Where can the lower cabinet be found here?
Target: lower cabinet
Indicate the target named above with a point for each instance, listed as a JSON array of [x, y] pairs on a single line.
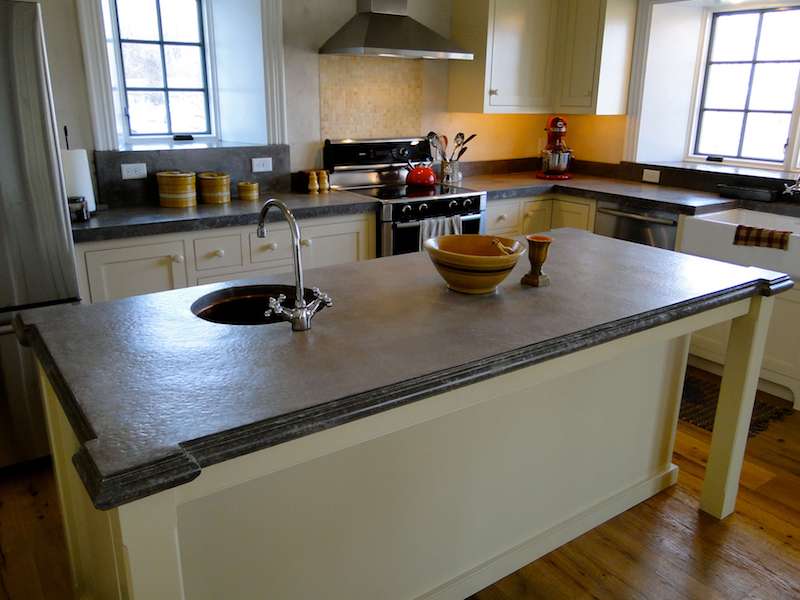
[[532, 215], [119, 268], [119, 272]]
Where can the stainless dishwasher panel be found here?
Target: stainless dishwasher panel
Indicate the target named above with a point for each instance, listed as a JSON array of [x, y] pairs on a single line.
[[649, 227]]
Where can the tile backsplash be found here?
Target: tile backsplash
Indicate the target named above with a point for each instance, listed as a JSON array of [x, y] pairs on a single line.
[[115, 192], [369, 97]]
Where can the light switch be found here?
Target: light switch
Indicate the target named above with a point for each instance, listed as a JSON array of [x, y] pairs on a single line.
[[262, 164], [134, 171], [651, 175]]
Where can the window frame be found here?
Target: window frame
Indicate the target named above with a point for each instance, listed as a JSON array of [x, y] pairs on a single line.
[[791, 161], [209, 80]]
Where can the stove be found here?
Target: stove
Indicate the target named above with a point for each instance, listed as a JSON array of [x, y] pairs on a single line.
[[378, 169]]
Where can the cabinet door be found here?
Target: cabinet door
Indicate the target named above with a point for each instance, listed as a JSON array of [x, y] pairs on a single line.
[[334, 244], [122, 272], [581, 21], [502, 217], [521, 48], [570, 214], [537, 216]]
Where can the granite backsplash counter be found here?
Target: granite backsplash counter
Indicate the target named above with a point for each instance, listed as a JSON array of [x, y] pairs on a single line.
[[140, 220], [136, 221]]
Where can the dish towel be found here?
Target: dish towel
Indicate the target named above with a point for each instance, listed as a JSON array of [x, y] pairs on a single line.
[[436, 226], [765, 238]]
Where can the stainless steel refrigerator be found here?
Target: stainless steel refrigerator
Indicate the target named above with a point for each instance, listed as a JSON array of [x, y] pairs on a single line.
[[37, 265]]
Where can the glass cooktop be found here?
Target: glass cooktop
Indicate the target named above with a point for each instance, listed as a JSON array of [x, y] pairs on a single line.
[[412, 192]]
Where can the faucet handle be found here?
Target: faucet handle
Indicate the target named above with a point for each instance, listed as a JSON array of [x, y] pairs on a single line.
[[275, 306], [322, 297]]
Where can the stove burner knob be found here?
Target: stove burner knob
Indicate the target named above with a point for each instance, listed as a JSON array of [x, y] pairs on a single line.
[[453, 204], [406, 209], [423, 207], [467, 203]]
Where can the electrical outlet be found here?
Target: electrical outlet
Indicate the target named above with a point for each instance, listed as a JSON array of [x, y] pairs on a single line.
[[651, 176], [262, 165], [134, 171]]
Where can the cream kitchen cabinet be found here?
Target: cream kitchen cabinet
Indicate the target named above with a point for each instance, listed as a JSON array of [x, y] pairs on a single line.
[[131, 266], [119, 272], [530, 215], [538, 56]]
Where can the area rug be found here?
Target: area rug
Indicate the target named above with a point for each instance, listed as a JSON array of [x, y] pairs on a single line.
[[699, 404]]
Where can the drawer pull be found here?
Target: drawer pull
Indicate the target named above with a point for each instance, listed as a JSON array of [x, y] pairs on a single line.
[[219, 253], [502, 218], [306, 243], [177, 258], [530, 214], [270, 247]]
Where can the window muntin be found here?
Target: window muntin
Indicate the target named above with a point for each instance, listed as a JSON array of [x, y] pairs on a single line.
[[163, 55], [750, 85]]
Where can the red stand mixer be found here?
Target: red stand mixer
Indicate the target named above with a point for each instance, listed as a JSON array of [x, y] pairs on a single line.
[[556, 155]]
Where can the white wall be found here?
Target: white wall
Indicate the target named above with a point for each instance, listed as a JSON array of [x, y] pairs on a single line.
[[66, 72], [240, 70], [671, 63]]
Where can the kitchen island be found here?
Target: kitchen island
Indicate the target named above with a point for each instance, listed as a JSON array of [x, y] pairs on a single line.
[[414, 443]]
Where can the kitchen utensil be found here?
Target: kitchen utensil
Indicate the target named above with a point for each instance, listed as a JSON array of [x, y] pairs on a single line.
[[538, 246], [502, 247], [421, 175], [473, 264], [215, 188], [459, 139], [461, 152], [443, 146], [433, 141], [176, 189]]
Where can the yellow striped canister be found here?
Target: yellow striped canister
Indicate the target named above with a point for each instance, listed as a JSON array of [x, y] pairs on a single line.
[[176, 189], [215, 188], [248, 190]]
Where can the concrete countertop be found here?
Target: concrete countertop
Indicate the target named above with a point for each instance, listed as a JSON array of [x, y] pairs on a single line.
[[630, 193], [158, 393], [137, 221], [152, 220]]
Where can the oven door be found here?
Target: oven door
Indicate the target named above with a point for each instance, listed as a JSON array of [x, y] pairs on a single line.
[[403, 237]]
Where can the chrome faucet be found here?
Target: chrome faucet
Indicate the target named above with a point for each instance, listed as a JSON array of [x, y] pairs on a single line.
[[301, 314]]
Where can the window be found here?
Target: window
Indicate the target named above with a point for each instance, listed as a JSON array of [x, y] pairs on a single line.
[[163, 67], [750, 85]]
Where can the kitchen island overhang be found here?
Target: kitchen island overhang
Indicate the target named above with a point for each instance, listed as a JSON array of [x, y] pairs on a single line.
[[632, 345]]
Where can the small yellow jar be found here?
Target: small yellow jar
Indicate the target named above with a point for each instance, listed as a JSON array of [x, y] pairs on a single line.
[[247, 190], [215, 188]]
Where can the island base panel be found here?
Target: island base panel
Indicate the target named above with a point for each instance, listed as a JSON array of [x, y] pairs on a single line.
[[437, 510]]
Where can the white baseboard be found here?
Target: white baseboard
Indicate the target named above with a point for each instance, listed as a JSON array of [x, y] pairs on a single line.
[[493, 570]]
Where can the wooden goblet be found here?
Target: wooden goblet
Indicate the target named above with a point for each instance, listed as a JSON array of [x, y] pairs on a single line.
[[538, 245]]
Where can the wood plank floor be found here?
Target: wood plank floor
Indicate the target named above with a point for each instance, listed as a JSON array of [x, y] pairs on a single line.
[[662, 548]]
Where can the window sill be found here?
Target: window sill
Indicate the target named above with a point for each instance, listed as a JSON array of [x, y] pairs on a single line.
[[173, 145], [724, 169]]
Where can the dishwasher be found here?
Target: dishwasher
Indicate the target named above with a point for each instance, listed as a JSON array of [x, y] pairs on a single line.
[[651, 227]]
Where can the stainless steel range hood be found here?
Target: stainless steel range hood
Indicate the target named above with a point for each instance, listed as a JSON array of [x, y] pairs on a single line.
[[383, 28]]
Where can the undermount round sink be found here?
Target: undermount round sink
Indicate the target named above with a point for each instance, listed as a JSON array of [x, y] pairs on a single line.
[[245, 305]]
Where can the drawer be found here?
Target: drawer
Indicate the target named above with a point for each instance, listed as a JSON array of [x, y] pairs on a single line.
[[273, 270], [503, 216], [218, 252], [276, 246]]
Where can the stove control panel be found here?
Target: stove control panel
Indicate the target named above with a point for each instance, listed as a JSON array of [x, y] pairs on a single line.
[[438, 207]]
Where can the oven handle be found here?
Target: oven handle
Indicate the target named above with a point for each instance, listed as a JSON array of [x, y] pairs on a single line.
[[636, 217], [407, 224]]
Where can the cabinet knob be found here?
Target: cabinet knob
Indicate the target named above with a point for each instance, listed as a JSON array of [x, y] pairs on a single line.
[[177, 258], [219, 253], [494, 92], [270, 246], [530, 213], [306, 243], [502, 218]]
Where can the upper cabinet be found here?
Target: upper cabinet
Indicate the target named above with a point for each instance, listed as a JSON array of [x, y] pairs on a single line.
[[541, 56]]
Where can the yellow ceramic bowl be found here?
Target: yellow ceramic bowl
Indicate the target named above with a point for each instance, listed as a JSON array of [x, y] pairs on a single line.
[[473, 264]]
